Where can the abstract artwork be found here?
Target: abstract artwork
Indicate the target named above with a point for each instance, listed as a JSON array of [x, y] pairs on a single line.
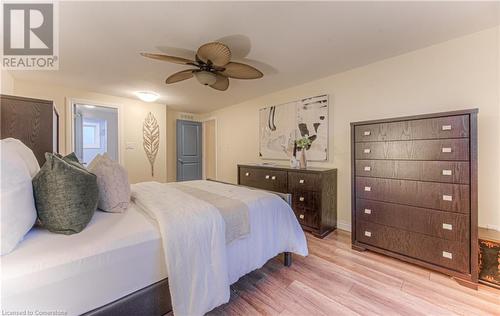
[[151, 139], [281, 125]]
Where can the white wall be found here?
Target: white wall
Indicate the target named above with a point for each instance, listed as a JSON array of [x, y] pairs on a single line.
[[458, 74], [134, 112]]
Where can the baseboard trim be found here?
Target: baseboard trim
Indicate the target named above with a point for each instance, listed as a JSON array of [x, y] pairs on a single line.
[[491, 226], [342, 225]]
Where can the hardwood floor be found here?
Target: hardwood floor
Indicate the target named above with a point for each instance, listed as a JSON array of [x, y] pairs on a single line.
[[336, 280]]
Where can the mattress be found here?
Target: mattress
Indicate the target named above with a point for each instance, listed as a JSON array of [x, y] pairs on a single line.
[[114, 256]]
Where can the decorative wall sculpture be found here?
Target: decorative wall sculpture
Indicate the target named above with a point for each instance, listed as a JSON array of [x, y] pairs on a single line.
[[151, 139], [281, 125]]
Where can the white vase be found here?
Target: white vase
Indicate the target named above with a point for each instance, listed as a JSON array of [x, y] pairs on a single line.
[[303, 159]]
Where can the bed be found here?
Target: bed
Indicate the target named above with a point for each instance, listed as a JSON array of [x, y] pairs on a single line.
[[119, 264], [117, 261]]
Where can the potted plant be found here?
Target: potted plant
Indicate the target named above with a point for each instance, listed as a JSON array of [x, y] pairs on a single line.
[[303, 144]]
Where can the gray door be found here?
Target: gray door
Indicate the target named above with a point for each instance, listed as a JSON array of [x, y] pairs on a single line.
[[189, 159]]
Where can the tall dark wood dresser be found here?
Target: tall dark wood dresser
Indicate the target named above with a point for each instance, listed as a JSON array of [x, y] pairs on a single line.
[[313, 190], [414, 191], [32, 121]]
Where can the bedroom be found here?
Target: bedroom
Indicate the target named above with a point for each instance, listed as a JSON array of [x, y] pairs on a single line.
[[409, 101]]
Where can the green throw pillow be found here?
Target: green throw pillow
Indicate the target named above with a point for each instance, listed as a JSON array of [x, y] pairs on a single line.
[[66, 194]]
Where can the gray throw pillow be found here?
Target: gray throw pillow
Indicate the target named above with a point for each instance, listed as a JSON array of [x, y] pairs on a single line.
[[66, 194], [112, 180]]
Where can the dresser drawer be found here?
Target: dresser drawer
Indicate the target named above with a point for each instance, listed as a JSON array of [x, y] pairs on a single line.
[[446, 225], [306, 199], [438, 171], [441, 196], [433, 128], [303, 181], [442, 149], [446, 253], [308, 217], [267, 179], [250, 177]]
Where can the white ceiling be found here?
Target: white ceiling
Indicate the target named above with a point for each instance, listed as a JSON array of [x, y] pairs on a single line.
[[293, 42]]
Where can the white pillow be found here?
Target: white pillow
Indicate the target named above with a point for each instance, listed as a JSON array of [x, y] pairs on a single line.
[[112, 180], [18, 212], [25, 154]]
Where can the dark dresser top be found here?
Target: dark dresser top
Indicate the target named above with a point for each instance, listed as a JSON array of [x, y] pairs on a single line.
[[286, 168]]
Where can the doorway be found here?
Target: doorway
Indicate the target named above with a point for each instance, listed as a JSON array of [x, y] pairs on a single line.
[[95, 131]]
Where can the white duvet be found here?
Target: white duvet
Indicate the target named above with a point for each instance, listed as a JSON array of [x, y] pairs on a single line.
[[200, 265]]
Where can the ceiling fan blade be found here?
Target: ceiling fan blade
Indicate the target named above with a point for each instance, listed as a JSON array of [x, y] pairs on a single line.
[[217, 53], [241, 71], [221, 84], [179, 76], [171, 59]]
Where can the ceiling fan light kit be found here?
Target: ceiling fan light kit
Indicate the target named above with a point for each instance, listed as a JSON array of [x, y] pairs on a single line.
[[213, 67], [206, 78]]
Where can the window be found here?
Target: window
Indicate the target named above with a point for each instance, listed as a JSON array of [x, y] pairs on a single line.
[[91, 135]]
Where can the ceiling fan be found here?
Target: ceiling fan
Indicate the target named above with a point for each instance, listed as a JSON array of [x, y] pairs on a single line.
[[213, 67]]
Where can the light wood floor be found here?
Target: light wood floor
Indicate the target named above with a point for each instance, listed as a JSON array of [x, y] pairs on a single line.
[[336, 280]]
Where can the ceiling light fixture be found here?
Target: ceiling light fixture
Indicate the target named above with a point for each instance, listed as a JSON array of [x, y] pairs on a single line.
[[205, 77], [147, 96]]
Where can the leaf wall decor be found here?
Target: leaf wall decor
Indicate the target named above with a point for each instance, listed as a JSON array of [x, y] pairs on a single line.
[[151, 139]]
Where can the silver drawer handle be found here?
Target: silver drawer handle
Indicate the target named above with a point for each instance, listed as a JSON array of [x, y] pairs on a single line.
[[367, 133], [301, 216], [368, 189], [447, 226], [301, 199], [267, 177], [368, 234], [447, 172], [301, 181], [447, 197], [247, 174], [367, 150], [446, 128], [446, 149], [368, 168], [273, 178], [368, 211], [447, 254]]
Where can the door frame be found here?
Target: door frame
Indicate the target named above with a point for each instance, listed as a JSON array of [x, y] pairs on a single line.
[[211, 118], [70, 142]]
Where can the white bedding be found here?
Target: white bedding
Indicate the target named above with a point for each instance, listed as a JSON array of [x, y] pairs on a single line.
[[199, 265], [116, 254]]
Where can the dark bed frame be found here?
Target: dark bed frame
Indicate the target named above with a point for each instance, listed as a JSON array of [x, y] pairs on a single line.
[[18, 113]]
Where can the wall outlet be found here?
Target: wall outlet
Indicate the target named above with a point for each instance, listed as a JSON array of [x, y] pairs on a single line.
[[131, 145]]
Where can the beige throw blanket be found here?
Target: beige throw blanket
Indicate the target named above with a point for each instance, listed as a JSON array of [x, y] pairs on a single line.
[[234, 212]]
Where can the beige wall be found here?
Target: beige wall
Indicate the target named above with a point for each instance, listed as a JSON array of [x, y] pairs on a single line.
[[172, 116], [133, 113], [209, 150], [6, 83], [458, 74]]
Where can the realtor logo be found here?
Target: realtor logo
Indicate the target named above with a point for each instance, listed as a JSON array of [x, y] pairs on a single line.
[[29, 36]]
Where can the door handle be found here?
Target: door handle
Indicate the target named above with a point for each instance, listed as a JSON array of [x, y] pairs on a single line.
[[180, 160]]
